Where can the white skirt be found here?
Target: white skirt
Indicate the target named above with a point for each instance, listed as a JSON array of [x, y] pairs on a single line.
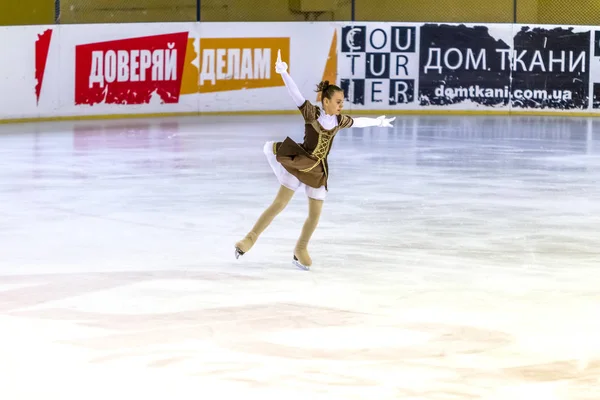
[[288, 180]]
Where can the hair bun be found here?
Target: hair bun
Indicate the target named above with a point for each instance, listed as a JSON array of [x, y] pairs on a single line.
[[323, 86], [327, 89]]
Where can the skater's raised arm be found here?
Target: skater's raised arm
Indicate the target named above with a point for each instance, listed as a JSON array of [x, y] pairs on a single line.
[[364, 122], [293, 89], [281, 69]]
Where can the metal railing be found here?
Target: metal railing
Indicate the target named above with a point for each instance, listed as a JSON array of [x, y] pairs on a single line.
[[33, 12]]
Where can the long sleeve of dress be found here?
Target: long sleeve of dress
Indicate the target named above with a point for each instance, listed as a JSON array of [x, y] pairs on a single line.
[[364, 122], [293, 89]]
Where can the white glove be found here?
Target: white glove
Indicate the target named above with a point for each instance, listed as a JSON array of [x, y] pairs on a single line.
[[385, 122], [280, 66]]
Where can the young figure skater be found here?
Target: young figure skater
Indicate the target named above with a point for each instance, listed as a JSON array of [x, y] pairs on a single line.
[[304, 165]]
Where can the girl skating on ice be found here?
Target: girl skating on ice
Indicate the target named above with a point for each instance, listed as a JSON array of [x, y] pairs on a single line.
[[304, 165]]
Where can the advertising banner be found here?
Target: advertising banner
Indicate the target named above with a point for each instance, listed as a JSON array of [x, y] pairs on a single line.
[[497, 67], [176, 68], [551, 68], [188, 68], [378, 65], [464, 66], [595, 70]]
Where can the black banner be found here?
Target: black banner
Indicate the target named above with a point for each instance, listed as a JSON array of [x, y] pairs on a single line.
[[594, 69], [551, 68], [459, 63], [461, 66]]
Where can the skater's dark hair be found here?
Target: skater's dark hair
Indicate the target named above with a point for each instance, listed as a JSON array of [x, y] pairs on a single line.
[[327, 90]]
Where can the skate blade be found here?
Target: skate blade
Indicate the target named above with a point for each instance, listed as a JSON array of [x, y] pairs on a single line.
[[299, 265], [238, 253]]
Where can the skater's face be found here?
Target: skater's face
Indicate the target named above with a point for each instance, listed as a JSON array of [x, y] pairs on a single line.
[[335, 104]]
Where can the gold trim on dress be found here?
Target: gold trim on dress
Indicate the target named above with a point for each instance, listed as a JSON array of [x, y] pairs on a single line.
[[321, 150]]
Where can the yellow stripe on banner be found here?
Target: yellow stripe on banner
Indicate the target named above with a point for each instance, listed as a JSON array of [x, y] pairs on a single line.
[[293, 112]]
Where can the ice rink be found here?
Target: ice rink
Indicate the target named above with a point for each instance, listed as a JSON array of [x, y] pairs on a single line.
[[456, 258]]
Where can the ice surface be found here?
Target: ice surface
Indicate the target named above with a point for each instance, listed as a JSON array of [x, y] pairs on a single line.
[[456, 258]]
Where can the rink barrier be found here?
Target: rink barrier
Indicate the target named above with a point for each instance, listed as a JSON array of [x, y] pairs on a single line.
[[294, 112], [186, 69]]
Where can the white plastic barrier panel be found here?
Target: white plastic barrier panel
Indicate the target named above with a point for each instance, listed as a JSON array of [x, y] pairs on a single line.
[[22, 70], [82, 70], [130, 69]]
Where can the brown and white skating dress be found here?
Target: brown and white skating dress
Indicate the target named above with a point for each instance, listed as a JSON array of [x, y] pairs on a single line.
[[305, 164]]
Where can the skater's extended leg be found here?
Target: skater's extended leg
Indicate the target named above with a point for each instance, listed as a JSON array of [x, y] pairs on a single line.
[[314, 213], [284, 195]]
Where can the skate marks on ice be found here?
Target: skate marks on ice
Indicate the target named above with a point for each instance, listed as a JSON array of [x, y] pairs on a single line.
[[19, 292], [117, 319]]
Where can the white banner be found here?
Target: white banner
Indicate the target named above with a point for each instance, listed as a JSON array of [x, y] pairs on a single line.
[[188, 68]]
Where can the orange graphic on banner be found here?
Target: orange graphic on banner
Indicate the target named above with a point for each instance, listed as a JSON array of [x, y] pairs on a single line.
[[228, 64], [189, 80], [330, 72]]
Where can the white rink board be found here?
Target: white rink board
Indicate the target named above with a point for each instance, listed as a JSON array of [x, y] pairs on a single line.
[[58, 96], [96, 70]]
